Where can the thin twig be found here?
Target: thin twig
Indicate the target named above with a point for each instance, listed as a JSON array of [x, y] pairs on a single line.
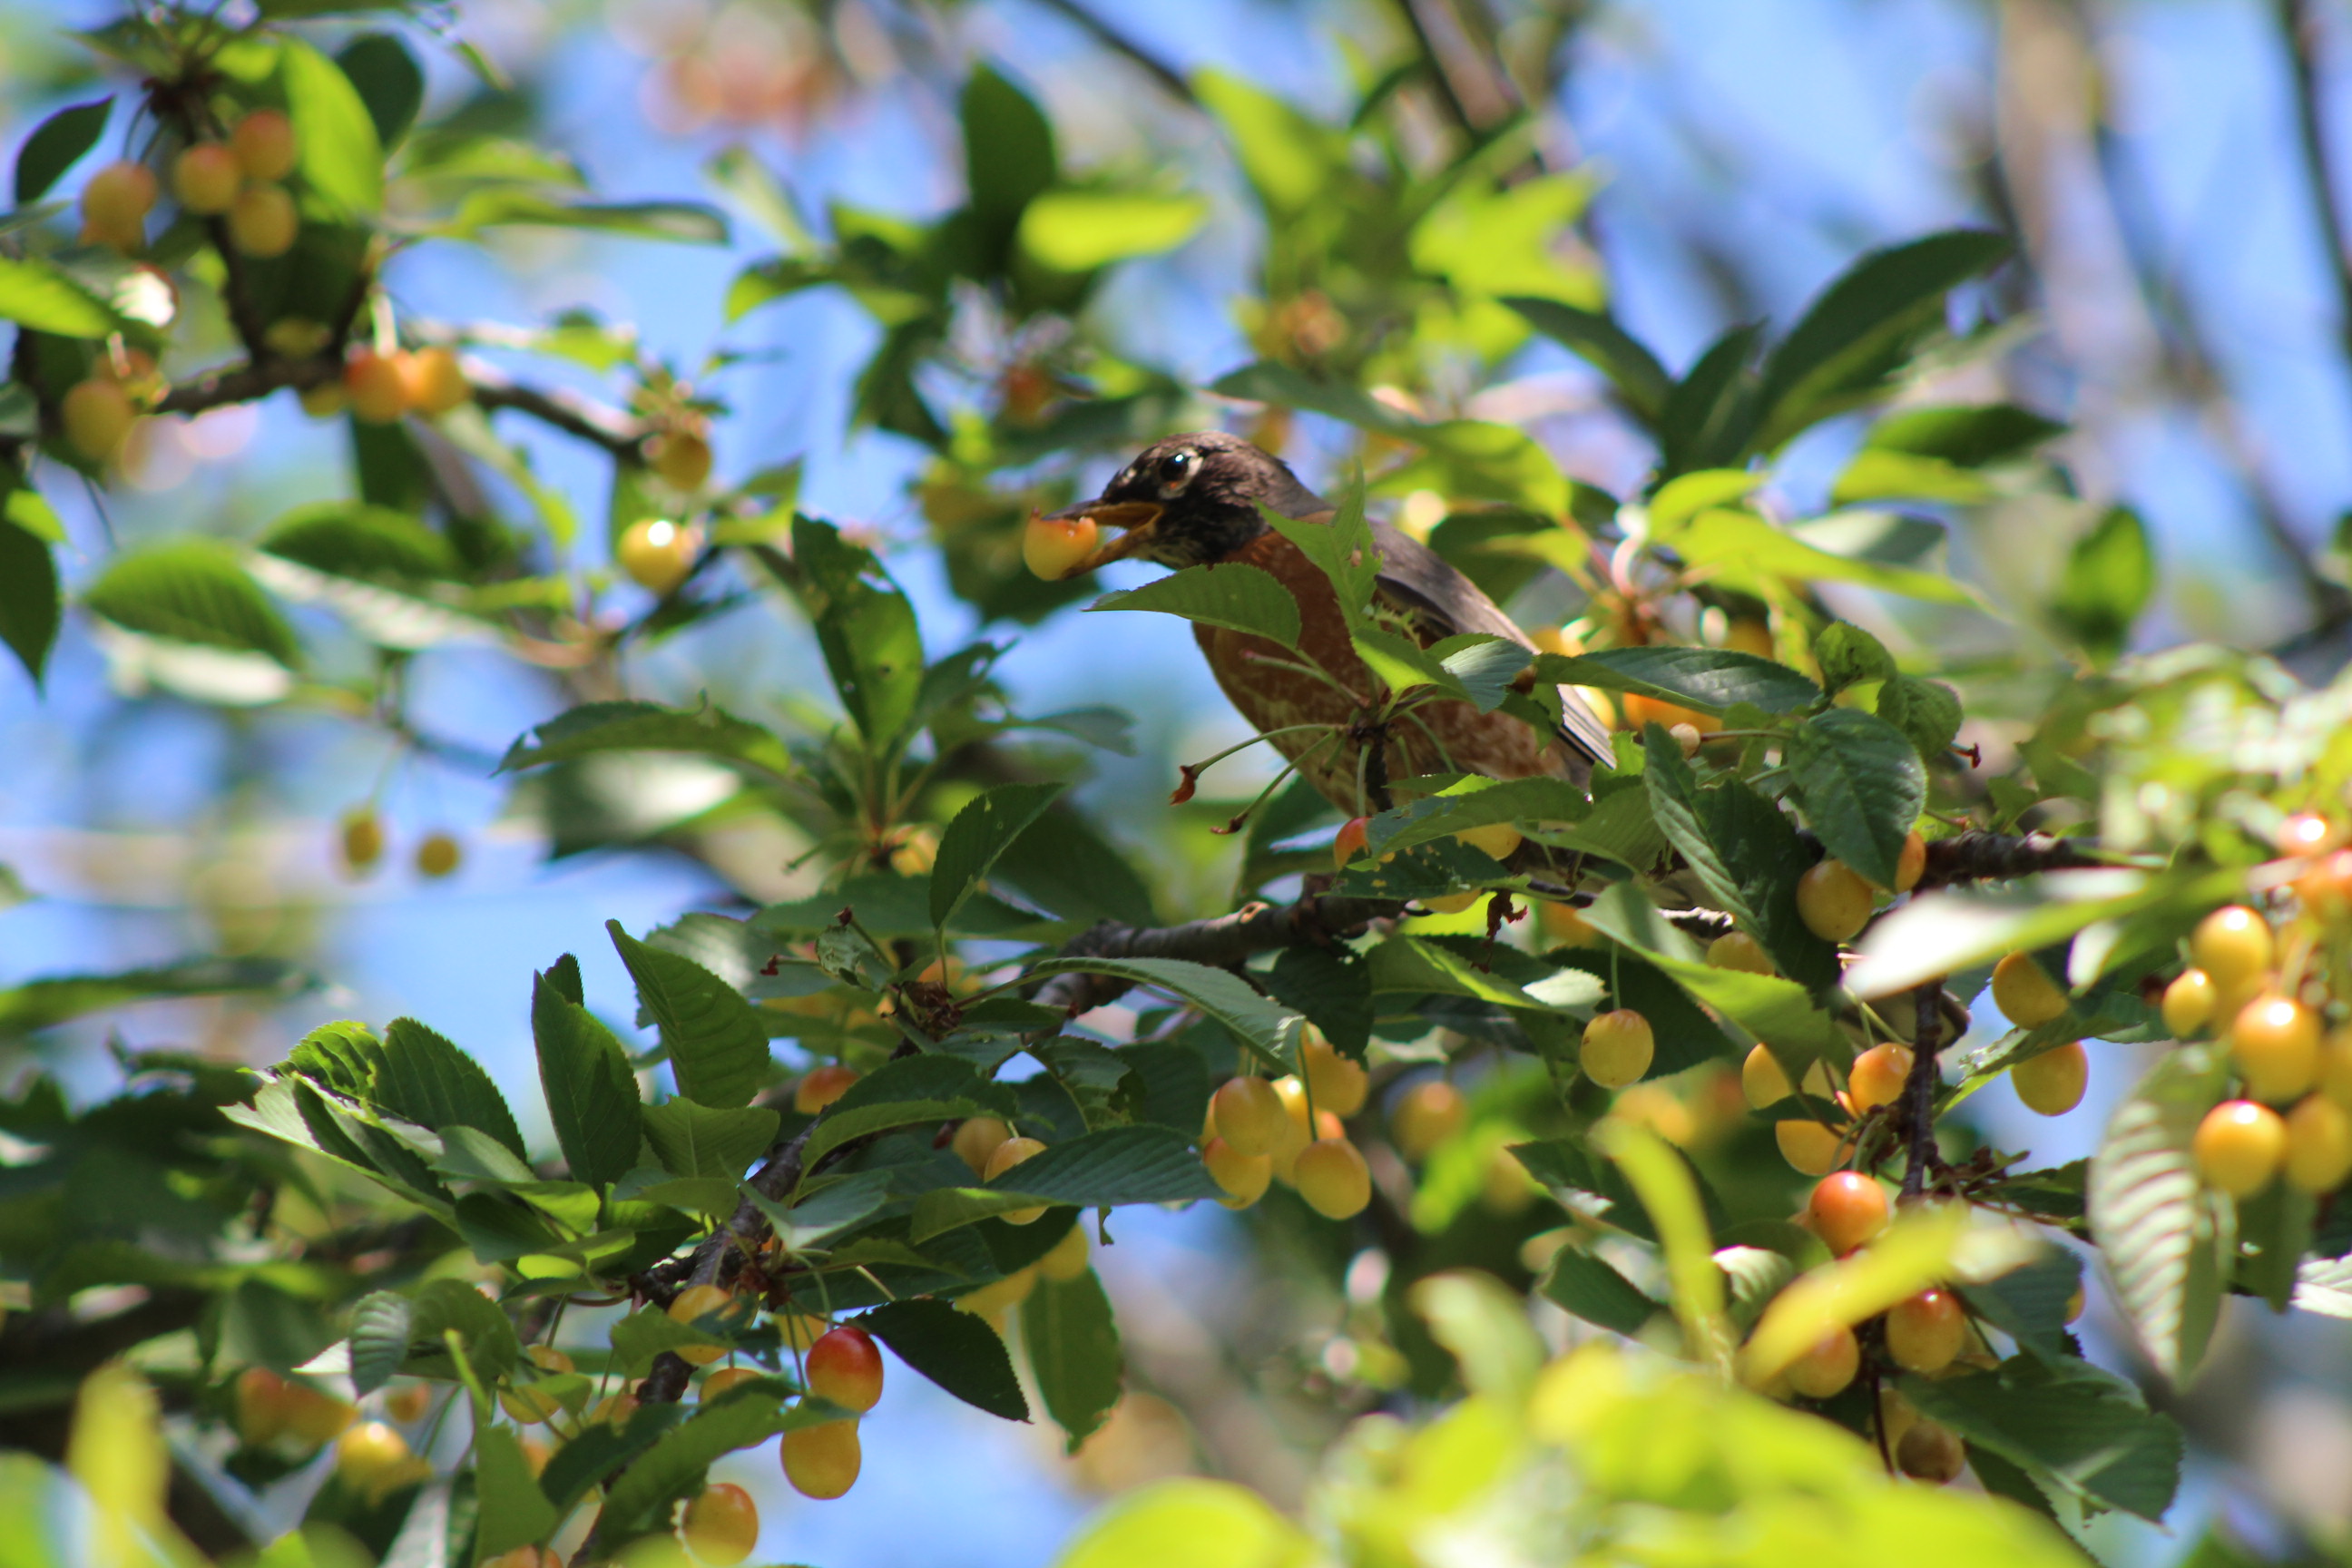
[[2298, 26], [622, 435], [1169, 79], [1220, 942]]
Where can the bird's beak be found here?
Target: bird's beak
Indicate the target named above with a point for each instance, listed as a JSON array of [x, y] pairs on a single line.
[[1139, 518]]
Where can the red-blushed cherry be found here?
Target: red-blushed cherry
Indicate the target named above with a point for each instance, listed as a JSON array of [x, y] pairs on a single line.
[[845, 1367], [1846, 1209]]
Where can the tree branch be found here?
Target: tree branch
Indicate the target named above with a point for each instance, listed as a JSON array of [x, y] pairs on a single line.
[[1220, 942], [1919, 1087], [2298, 26], [1974, 856], [1169, 79]]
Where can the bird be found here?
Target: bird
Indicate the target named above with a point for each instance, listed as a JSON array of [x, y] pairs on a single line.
[[1193, 500]]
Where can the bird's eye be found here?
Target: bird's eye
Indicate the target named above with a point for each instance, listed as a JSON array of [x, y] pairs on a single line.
[[1176, 468]]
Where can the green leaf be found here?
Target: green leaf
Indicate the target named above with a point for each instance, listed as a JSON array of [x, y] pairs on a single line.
[[601, 1449], [1074, 1352], [2083, 1426], [192, 591], [1061, 864], [980, 832], [1291, 160], [1591, 1289], [1778, 1012], [380, 1334], [1876, 474], [425, 1079], [37, 1004], [1474, 802], [2109, 579], [953, 1349], [865, 627], [1595, 337], [891, 906], [592, 1095], [340, 159], [30, 603], [1741, 550], [37, 295], [641, 1497], [595, 728], [1711, 412], [1671, 1193], [1266, 1029], [717, 1045], [373, 543], [1968, 435], [1105, 1168], [513, 1511], [693, 1140], [1419, 964], [1008, 149], [1926, 711], [673, 222], [1188, 1523], [1078, 231], [1710, 679], [2275, 1230], [57, 144], [386, 77], [1848, 655], [2030, 1303], [2168, 1240], [1864, 328], [1239, 598], [488, 1338], [1862, 785]]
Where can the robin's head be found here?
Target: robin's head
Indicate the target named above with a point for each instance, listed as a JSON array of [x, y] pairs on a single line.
[[1192, 499]]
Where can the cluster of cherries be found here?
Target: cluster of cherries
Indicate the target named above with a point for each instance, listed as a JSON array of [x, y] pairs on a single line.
[[1290, 1128], [360, 842], [2254, 985]]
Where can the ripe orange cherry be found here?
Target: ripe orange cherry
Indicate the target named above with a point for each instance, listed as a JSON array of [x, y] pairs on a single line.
[[657, 554], [845, 1367], [1351, 841], [1052, 546], [1833, 900], [409, 1402], [681, 458], [2307, 833], [1924, 1334], [976, 1138], [1931, 1451], [370, 1453], [2318, 1144], [2326, 889], [718, 1383], [2052, 1084], [1762, 1079], [1431, 1113], [1822, 1371], [437, 382], [264, 144], [1495, 840], [1339, 1083], [205, 177], [262, 221], [1244, 1177], [1910, 862], [821, 1087], [722, 1525], [115, 204], [1072, 1256], [261, 1405], [2190, 1002], [693, 1304], [1878, 1075], [2240, 1146], [437, 856], [1738, 950], [1332, 1177], [821, 1461], [1249, 1115], [1847, 1208], [373, 384], [2233, 945], [98, 415], [1618, 1049], [1809, 1146], [2274, 1043], [1009, 1153], [2025, 993]]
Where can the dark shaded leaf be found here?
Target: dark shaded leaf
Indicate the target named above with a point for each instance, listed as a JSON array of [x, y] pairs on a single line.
[[598, 727], [955, 1349], [592, 1095], [1707, 679], [37, 1004], [386, 77], [57, 144], [1596, 337], [2085, 1427], [980, 832], [1074, 1352], [717, 1045], [2109, 579], [865, 627], [1237, 597], [693, 1140], [194, 591], [1862, 785], [1591, 1289], [31, 605]]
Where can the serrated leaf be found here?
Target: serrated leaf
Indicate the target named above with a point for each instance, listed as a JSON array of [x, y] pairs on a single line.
[[1926, 711], [425, 1079], [1777, 1011], [1105, 1168], [1588, 1287], [2083, 1426], [717, 1045], [641, 1496], [513, 1510], [592, 1095], [865, 627], [1074, 1352], [599, 727], [953, 1349], [1862, 785], [2169, 1239], [2030, 1303], [601, 1448], [192, 591], [57, 144], [1710, 680], [439, 1306], [693, 1140], [380, 1335], [980, 832], [1237, 596], [1266, 1027], [1333, 989]]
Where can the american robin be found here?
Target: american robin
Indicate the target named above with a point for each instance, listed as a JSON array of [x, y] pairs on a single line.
[[1193, 500]]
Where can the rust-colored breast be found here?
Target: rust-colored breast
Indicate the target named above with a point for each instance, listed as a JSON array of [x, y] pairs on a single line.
[[1266, 683]]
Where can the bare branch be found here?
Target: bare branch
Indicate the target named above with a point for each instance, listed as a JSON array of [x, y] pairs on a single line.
[[1220, 942], [622, 435], [1169, 79]]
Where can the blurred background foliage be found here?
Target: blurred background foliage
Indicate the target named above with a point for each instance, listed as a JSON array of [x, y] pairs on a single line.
[[920, 269]]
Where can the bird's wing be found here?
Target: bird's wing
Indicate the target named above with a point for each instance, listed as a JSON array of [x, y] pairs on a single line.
[[1441, 602]]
